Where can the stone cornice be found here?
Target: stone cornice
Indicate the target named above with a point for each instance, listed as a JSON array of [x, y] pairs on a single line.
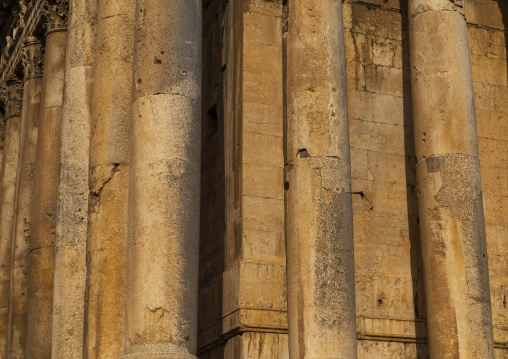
[[21, 31]]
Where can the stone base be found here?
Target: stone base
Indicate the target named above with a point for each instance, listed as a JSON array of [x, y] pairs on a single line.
[[159, 355], [158, 351]]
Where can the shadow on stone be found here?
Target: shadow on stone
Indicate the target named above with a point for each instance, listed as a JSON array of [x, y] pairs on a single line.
[[411, 195]]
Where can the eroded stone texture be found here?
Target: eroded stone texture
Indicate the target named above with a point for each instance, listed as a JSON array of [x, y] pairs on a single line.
[[319, 216], [109, 175], [254, 345], [72, 216], [242, 274], [163, 225], [452, 223], [8, 177], [2, 138], [47, 169], [16, 337]]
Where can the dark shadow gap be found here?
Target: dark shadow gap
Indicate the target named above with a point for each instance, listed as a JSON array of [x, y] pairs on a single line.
[[411, 194], [213, 187]]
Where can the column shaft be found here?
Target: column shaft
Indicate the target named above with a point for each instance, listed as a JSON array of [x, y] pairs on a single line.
[[47, 166], [8, 177], [109, 170], [453, 241], [72, 209], [2, 141], [164, 185], [32, 61], [319, 217]]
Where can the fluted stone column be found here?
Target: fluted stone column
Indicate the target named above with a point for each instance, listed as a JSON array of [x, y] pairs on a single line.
[[319, 217], [452, 227], [47, 167], [8, 175], [32, 57], [164, 185], [109, 170], [72, 209]]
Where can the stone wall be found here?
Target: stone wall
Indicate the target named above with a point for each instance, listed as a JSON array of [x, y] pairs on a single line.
[[389, 280], [488, 21]]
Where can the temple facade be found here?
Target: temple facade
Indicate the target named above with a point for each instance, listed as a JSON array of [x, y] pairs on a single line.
[[253, 179]]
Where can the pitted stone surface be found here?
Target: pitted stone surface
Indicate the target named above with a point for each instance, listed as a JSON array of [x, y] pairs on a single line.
[[407, 138]]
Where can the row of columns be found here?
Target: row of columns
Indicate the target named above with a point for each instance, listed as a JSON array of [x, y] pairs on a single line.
[[18, 299], [100, 147], [319, 234], [47, 166]]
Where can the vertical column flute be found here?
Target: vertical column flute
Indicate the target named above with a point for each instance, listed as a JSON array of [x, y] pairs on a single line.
[[47, 167]]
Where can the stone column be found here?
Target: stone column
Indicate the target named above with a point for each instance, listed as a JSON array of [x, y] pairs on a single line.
[[2, 139], [164, 185], [47, 166], [72, 208], [32, 58], [452, 227], [319, 217], [13, 101], [109, 171]]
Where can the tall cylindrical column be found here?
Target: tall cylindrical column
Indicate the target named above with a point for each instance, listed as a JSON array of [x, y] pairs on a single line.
[[72, 208], [452, 227], [109, 171], [47, 167], [164, 185], [319, 216], [13, 101], [2, 140], [32, 63]]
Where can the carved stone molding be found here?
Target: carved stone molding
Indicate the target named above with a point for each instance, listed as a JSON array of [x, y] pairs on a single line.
[[24, 5], [12, 54], [14, 98], [57, 13], [32, 58]]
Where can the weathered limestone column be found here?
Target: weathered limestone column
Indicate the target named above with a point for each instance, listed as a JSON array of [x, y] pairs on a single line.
[[319, 217], [452, 227], [47, 167], [8, 175], [164, 186], [109, 170], [2, 140], [32, 57], [72, 209]]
